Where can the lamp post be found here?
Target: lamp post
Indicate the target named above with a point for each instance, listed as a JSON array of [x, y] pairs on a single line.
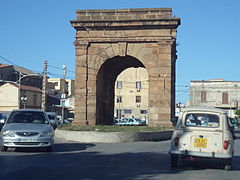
[[63, 96], [19, 81]]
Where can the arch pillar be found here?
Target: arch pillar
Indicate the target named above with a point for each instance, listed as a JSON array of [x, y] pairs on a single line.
[[81, 82]]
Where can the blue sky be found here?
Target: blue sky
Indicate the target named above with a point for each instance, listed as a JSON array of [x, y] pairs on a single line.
[[32, 31]]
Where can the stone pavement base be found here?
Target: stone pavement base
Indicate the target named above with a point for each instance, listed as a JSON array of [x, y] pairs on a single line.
[[112, 137]]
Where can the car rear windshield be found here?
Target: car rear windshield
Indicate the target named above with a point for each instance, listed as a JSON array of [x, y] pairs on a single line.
[[51, 116], [27, 117], [1, 116], [202, 120]]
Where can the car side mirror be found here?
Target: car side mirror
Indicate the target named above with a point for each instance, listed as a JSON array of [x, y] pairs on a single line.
[[174, 121], [3, 121]]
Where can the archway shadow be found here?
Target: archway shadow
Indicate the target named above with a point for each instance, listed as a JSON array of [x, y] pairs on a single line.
[[71, 161]]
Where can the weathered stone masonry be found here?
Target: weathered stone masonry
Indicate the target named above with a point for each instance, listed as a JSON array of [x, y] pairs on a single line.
[[108, 42]]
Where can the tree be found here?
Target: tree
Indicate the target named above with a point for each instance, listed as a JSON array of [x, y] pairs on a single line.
[[237, 112]]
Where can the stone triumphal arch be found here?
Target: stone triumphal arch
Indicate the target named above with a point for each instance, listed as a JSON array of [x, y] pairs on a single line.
[[110, 41]]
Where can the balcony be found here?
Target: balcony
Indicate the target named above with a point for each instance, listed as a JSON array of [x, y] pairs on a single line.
[[233, 104]]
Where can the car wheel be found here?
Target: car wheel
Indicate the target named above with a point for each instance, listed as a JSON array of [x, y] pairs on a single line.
[[173, 160], [3, 148], [228, 165], [49, 149]]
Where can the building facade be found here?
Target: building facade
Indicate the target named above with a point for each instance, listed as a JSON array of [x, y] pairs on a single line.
[[216, 93], [16, 74], [56, 87], [30, 83], [131, 94], [13, 98]]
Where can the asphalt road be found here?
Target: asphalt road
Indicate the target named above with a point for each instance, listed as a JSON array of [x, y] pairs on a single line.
[[121, 161]]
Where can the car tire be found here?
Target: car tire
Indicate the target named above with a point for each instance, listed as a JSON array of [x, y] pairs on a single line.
[[173, 160], [3, 148], [228, 165]]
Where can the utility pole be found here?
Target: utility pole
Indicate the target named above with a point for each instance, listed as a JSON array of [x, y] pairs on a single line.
[[19, 89], [63, 96], [44, 84]]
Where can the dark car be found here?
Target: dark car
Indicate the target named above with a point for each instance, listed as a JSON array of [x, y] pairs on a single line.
[[2, 120]]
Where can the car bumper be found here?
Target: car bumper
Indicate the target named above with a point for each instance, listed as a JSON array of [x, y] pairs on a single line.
[[28, 142], [201, 154]]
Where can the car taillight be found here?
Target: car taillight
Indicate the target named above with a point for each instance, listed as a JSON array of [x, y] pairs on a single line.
[[225, 144], [176, 141]]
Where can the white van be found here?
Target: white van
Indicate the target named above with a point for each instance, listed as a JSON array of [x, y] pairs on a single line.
[[202, 132], [52, 116]]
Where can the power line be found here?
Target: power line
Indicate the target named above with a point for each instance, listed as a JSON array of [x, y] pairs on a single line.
[[9, 61], [12, 63], [60, 75], [60, 68]]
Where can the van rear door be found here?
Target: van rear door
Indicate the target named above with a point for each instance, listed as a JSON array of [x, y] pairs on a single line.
[[206, 141], [205, 132]]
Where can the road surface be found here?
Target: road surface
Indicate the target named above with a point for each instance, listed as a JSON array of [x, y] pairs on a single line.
[[98, 161]]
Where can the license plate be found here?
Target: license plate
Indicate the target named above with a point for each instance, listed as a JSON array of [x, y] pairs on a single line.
[[28, 140], [200, 143]]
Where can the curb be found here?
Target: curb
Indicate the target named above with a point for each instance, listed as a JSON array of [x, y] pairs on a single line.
[[112, 137]]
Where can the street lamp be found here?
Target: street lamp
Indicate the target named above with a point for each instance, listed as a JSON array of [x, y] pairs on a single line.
[[63, 96], [24, 101], [21, 76]]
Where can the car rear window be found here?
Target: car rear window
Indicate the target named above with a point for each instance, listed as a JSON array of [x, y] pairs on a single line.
[[51, 116], [1, 116], [27, 117], [202, 120]]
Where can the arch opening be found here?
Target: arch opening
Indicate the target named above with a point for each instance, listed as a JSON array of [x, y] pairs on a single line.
[[105, 84], [132, 96]]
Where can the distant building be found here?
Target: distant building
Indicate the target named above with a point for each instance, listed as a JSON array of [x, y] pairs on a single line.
[[216, 93], [13, 73], [55, 87], [30, 83], [11, 98], [131, 94]]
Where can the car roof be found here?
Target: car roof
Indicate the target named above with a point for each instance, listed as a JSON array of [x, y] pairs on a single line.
[[51, 113], [203, 108], [35, 110]]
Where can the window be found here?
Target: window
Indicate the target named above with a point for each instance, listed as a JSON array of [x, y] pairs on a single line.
[[1, 76], [202, 120], [127, 111], [138, 85], [119, 99], [34, 99], [138, 99], [203, 96], [119, 84], [224, 98], [143, 112], [119, 113], [27, 117]]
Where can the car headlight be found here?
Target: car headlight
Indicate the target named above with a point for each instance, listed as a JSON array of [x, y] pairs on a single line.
[[47, 133], [8, 133]]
